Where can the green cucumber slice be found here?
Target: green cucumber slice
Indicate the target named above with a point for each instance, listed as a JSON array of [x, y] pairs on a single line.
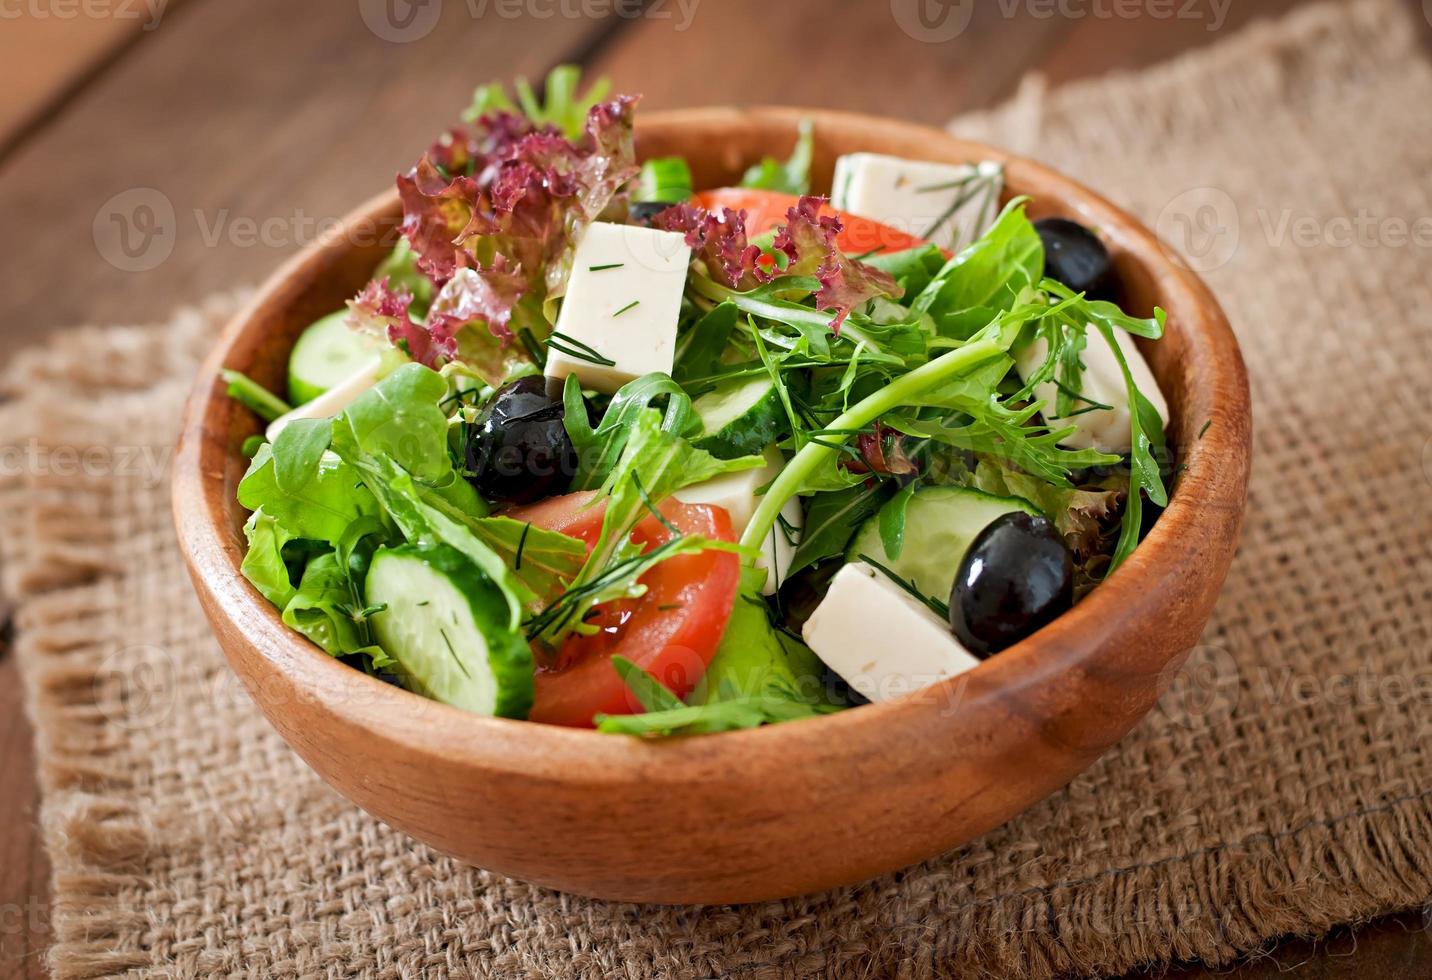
[[328, 352], [940, 525], [446, 624], [738, 418]]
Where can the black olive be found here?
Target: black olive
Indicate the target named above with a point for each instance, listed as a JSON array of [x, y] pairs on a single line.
[[518, 450], [1074, 255], [1016, 577], [642, 212]]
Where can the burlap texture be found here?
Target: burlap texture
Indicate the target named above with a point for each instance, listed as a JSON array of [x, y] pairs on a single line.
[[1282, 787]]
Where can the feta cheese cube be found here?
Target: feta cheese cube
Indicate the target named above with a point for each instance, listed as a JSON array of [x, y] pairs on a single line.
[[622, 302], [882, 641], [1102, 381], [950, 204], [737, 493]]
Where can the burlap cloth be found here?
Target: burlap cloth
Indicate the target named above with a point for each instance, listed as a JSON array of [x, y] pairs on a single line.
[[1282, 787]]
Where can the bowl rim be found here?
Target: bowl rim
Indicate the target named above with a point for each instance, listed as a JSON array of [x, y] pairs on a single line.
[[1212, 485]]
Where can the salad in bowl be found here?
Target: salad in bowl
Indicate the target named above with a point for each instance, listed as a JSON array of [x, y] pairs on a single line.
[[597, 448]]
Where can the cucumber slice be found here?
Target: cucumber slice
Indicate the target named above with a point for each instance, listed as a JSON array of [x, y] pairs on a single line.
[[940, 525], [327, 352], [446, 626], [738, 418]]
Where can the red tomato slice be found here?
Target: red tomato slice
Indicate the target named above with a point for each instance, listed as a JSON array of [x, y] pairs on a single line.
[[671, 632], [767, 209]]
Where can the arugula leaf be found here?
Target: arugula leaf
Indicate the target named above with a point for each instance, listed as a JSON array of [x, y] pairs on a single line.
[[1143, 468], [730, 714], [652, 694], [699, 350], [311, 492], [545, 561], [401, 417], [912, 268], [599, 449], [892, 521], [789, 177], [831, 521], [986, 277]]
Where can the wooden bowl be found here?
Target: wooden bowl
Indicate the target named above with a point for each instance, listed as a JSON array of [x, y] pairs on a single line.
[[771, 812]]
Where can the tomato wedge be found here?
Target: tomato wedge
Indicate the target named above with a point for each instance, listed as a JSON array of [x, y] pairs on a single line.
[[767, 209], [671, 632]]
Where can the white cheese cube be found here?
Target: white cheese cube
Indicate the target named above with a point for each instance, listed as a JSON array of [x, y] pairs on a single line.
[[882, 641], [780, 545], [622, 302], [335, 399], [1101, 380], [950, 204], [737, 493]]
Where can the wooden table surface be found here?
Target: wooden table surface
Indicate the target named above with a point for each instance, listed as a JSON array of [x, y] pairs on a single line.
[[245, 124]]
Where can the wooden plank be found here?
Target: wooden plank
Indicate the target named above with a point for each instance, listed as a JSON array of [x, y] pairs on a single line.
[[844, 54], [47, 49], [216, 147]]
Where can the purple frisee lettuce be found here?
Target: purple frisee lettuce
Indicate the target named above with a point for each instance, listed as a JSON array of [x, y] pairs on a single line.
[[807, 242], [494, 212]]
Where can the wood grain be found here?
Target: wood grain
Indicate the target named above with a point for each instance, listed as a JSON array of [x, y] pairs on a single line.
[[238, 127], [744, 814], [50, 49]]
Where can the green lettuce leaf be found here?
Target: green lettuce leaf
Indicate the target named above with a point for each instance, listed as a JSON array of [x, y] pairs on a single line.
[[987, 277], [263, 563], [307, 489]]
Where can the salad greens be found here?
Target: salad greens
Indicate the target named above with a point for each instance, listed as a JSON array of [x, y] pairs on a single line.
[[843, 387]]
